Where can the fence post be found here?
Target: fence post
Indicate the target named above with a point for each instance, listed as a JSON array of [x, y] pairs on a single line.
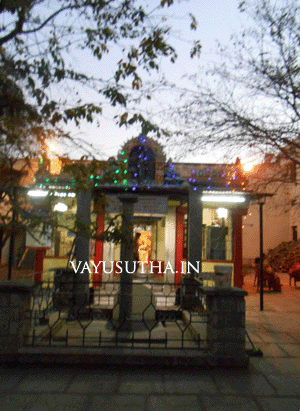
[[15, 304], [226, 325]]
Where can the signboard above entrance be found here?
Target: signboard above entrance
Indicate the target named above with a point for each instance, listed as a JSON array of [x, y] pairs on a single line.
[[146, 205]]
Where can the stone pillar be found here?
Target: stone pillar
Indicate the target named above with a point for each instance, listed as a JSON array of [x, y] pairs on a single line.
[[238, 247], [15, 305], [180, 211], [170, 244], [194, 229], [226, 326], [99, 247], [126, 255], [83, 216]]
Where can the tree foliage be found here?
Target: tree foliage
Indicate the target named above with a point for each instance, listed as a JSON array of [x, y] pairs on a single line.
[[64, 61], [249, 101], [40, 82]]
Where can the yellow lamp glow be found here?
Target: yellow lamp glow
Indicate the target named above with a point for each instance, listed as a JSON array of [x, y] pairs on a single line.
[[248, 166]]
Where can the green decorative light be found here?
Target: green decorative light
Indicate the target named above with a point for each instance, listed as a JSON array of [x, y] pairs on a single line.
[[97, 177], [117, 171], [91, 177], [125, 171], [125, 161], [115, 181], [96, 185], [41, 161], [67, 186], [47, 180], [124, 181], [122, 153]]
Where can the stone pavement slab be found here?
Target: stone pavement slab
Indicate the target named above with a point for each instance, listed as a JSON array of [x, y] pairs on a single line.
[[15, 401], [174, 403], [279, 404], [141, 383], [91, 381], [230, 403], [244, 384], [189, 383], [118, 403], [45, 381], [60, 402]]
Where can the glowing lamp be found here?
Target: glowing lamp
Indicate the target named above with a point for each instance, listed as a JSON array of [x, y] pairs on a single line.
[[38, 193], [60, 207]]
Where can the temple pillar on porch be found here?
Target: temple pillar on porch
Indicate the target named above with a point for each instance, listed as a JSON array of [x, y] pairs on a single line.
[[170, 245], [99, 246], [194, 256], [82, 246], [238, 247], [126, 256], [179, 241]]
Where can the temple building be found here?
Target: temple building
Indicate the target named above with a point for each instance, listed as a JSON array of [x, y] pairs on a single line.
[[186, 217]]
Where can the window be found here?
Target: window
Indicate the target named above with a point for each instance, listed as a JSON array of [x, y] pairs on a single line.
[[217, 234]]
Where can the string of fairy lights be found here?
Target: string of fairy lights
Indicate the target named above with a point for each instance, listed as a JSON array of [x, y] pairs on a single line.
[[123, 172]]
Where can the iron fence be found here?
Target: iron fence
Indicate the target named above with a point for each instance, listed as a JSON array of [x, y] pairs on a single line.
[[67, 312]]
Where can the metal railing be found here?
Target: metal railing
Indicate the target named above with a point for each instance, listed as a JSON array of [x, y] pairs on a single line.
[[66, 312]]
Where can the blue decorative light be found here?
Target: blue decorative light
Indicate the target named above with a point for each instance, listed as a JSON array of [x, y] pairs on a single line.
[[195, 188]]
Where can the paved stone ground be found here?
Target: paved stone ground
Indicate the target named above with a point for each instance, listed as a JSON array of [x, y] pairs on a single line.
[[270, 383]]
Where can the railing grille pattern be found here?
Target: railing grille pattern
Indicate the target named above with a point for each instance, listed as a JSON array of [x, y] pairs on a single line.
[[68, 313]]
